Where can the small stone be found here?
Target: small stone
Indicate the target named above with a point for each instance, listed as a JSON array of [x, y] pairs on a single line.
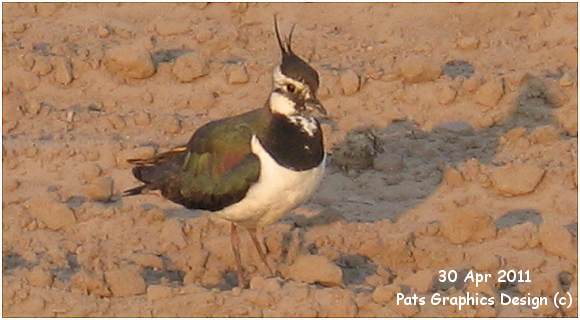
[[468, 43], [556, 96], [490, 93], [117, 121], [417, 69], [39, 277], [446, 94], [406, 310], [42, 66], [90, 283], [558, 241], [486, 261], [27, 61], [142, 119], [100, 189], [261, 283], [517, 179], [131, 61], [63, 71], [350, 82], [471, 84], [172, 232], [55, 215], [237, 74], [158, 292], [172, 27], [147, 97], [421, 281], [148, 260], [16, 27], [90, 171], [544, 135], [384, 294], [190, 66], [566, 80], [103, 31], [204, 35], [515, 79], [313, 269], [357, 152], [33, 107], [461, 225], [125, 281]]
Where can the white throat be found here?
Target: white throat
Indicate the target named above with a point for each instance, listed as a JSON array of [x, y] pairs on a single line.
[[281, 104]]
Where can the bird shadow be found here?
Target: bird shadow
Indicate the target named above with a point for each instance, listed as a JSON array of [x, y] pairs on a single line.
[[418, 158]]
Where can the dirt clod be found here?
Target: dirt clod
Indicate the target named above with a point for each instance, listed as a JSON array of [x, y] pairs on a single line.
[[125, 281], [464, 224], [557, 240], [490, 93], [446, 94], [39, 277], [468, 43], [130, 61], [419, 69], [55, 215], [100, 189], [313, 269], [517, 179], [237, 74], [350, 82], [190, 66]]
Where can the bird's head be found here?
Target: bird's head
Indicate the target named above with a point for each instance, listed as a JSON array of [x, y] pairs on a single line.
[[295, 83]]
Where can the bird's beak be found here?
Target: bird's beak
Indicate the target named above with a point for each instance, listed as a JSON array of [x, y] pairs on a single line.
[[314, 107]]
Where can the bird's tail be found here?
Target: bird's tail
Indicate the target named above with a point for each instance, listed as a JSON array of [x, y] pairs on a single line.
[[135, 191], [155, 172]]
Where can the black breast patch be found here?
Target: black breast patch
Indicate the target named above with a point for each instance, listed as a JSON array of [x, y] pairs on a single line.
[[291, 146]]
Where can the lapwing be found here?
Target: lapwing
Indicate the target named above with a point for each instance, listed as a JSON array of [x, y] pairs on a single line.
[[253, 168]]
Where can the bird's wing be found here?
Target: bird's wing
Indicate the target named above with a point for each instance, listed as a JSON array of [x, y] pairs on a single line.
[[219, 171], [214, 170]]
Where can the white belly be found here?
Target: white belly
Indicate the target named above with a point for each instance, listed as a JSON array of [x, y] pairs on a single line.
[[277, 191]]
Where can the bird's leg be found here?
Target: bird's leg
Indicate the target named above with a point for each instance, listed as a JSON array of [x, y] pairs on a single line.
[[258, 246], [235, 239]]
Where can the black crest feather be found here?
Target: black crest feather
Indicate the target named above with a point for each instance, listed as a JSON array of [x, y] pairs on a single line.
[[292, 65]]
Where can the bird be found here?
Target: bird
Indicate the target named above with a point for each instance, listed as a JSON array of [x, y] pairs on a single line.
[[253, 168]]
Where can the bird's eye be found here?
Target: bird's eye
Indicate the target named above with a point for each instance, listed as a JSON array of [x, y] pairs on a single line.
[[291, 88]]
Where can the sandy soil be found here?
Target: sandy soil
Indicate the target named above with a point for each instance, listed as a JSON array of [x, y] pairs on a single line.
[[454, 147]]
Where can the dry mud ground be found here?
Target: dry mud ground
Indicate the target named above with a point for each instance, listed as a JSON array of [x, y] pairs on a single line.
[[454, 147]]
